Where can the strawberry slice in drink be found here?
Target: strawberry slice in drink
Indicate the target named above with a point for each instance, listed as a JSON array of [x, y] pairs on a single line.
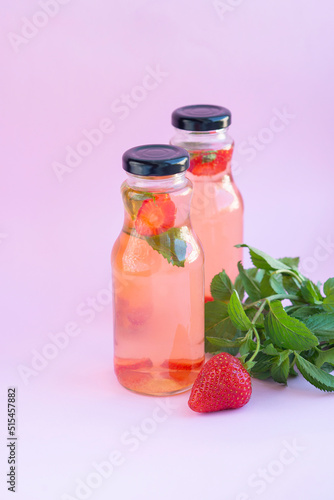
[[122, 364], [155, 215], [182, 364], [210, 162]]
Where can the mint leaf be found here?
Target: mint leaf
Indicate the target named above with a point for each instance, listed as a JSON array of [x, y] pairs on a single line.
[[251, 286], [317, 377], [322, 325], [265, 286], [280, 371], [237, 313], [325, 356], [218, 324], [209, 157], [271, 350], [329, 287], [220, 342], [262, 366], [311, 292], [276, 282], [263, 260], [303, 312], [251, 313], [221, 287], [133, 200], [248, 345], [171, 245], [291, 285], [287, 332], [239, 287], [292, 262], [328, 303]]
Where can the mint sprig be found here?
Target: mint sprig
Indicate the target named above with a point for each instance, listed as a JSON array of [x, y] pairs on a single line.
[[276, 319]]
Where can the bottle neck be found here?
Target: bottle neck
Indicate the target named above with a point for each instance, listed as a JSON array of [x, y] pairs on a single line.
[[156, 184], [194, 141]]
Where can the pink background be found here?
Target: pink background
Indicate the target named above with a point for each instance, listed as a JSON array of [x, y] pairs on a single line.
[[260, 59]]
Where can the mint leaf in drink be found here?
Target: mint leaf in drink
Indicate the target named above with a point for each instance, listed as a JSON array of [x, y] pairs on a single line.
[[263, 260], [287, 332], [171, 244], [237, 313], [329, 287], [317, 377], [221, 287]]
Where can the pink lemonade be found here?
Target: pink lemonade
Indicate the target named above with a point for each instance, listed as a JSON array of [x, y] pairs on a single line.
[[217, 206], [217, 218], [158, 283]]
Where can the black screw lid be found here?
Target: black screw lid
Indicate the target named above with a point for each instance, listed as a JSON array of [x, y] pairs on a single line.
[[201, 117], [155, 160]]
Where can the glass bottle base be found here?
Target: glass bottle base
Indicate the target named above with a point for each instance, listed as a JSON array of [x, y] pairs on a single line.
[[171, 377]]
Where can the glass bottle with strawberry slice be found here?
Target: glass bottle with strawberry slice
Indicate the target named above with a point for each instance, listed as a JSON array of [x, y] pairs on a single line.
[[158, 276], [217, 206]]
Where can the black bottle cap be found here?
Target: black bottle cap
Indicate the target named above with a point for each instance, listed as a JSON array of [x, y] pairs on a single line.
[[201, 117], [155, 160]]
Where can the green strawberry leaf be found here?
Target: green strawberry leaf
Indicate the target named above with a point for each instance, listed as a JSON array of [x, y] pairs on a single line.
[[317, 377], [237, 313], [263, 260], [221, 287], [287, 332], [322, 325], [251, 286], [171, 245]]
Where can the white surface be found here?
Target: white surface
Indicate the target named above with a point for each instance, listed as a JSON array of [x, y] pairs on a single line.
[[74, 413]]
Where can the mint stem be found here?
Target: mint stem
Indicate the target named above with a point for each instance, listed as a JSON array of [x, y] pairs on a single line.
[[287, 271]]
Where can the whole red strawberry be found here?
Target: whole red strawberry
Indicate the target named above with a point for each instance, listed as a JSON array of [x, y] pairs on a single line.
[[222, 383]]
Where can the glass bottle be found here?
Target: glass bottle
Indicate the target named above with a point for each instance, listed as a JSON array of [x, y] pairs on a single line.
[[217, 206], [158, 276]]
